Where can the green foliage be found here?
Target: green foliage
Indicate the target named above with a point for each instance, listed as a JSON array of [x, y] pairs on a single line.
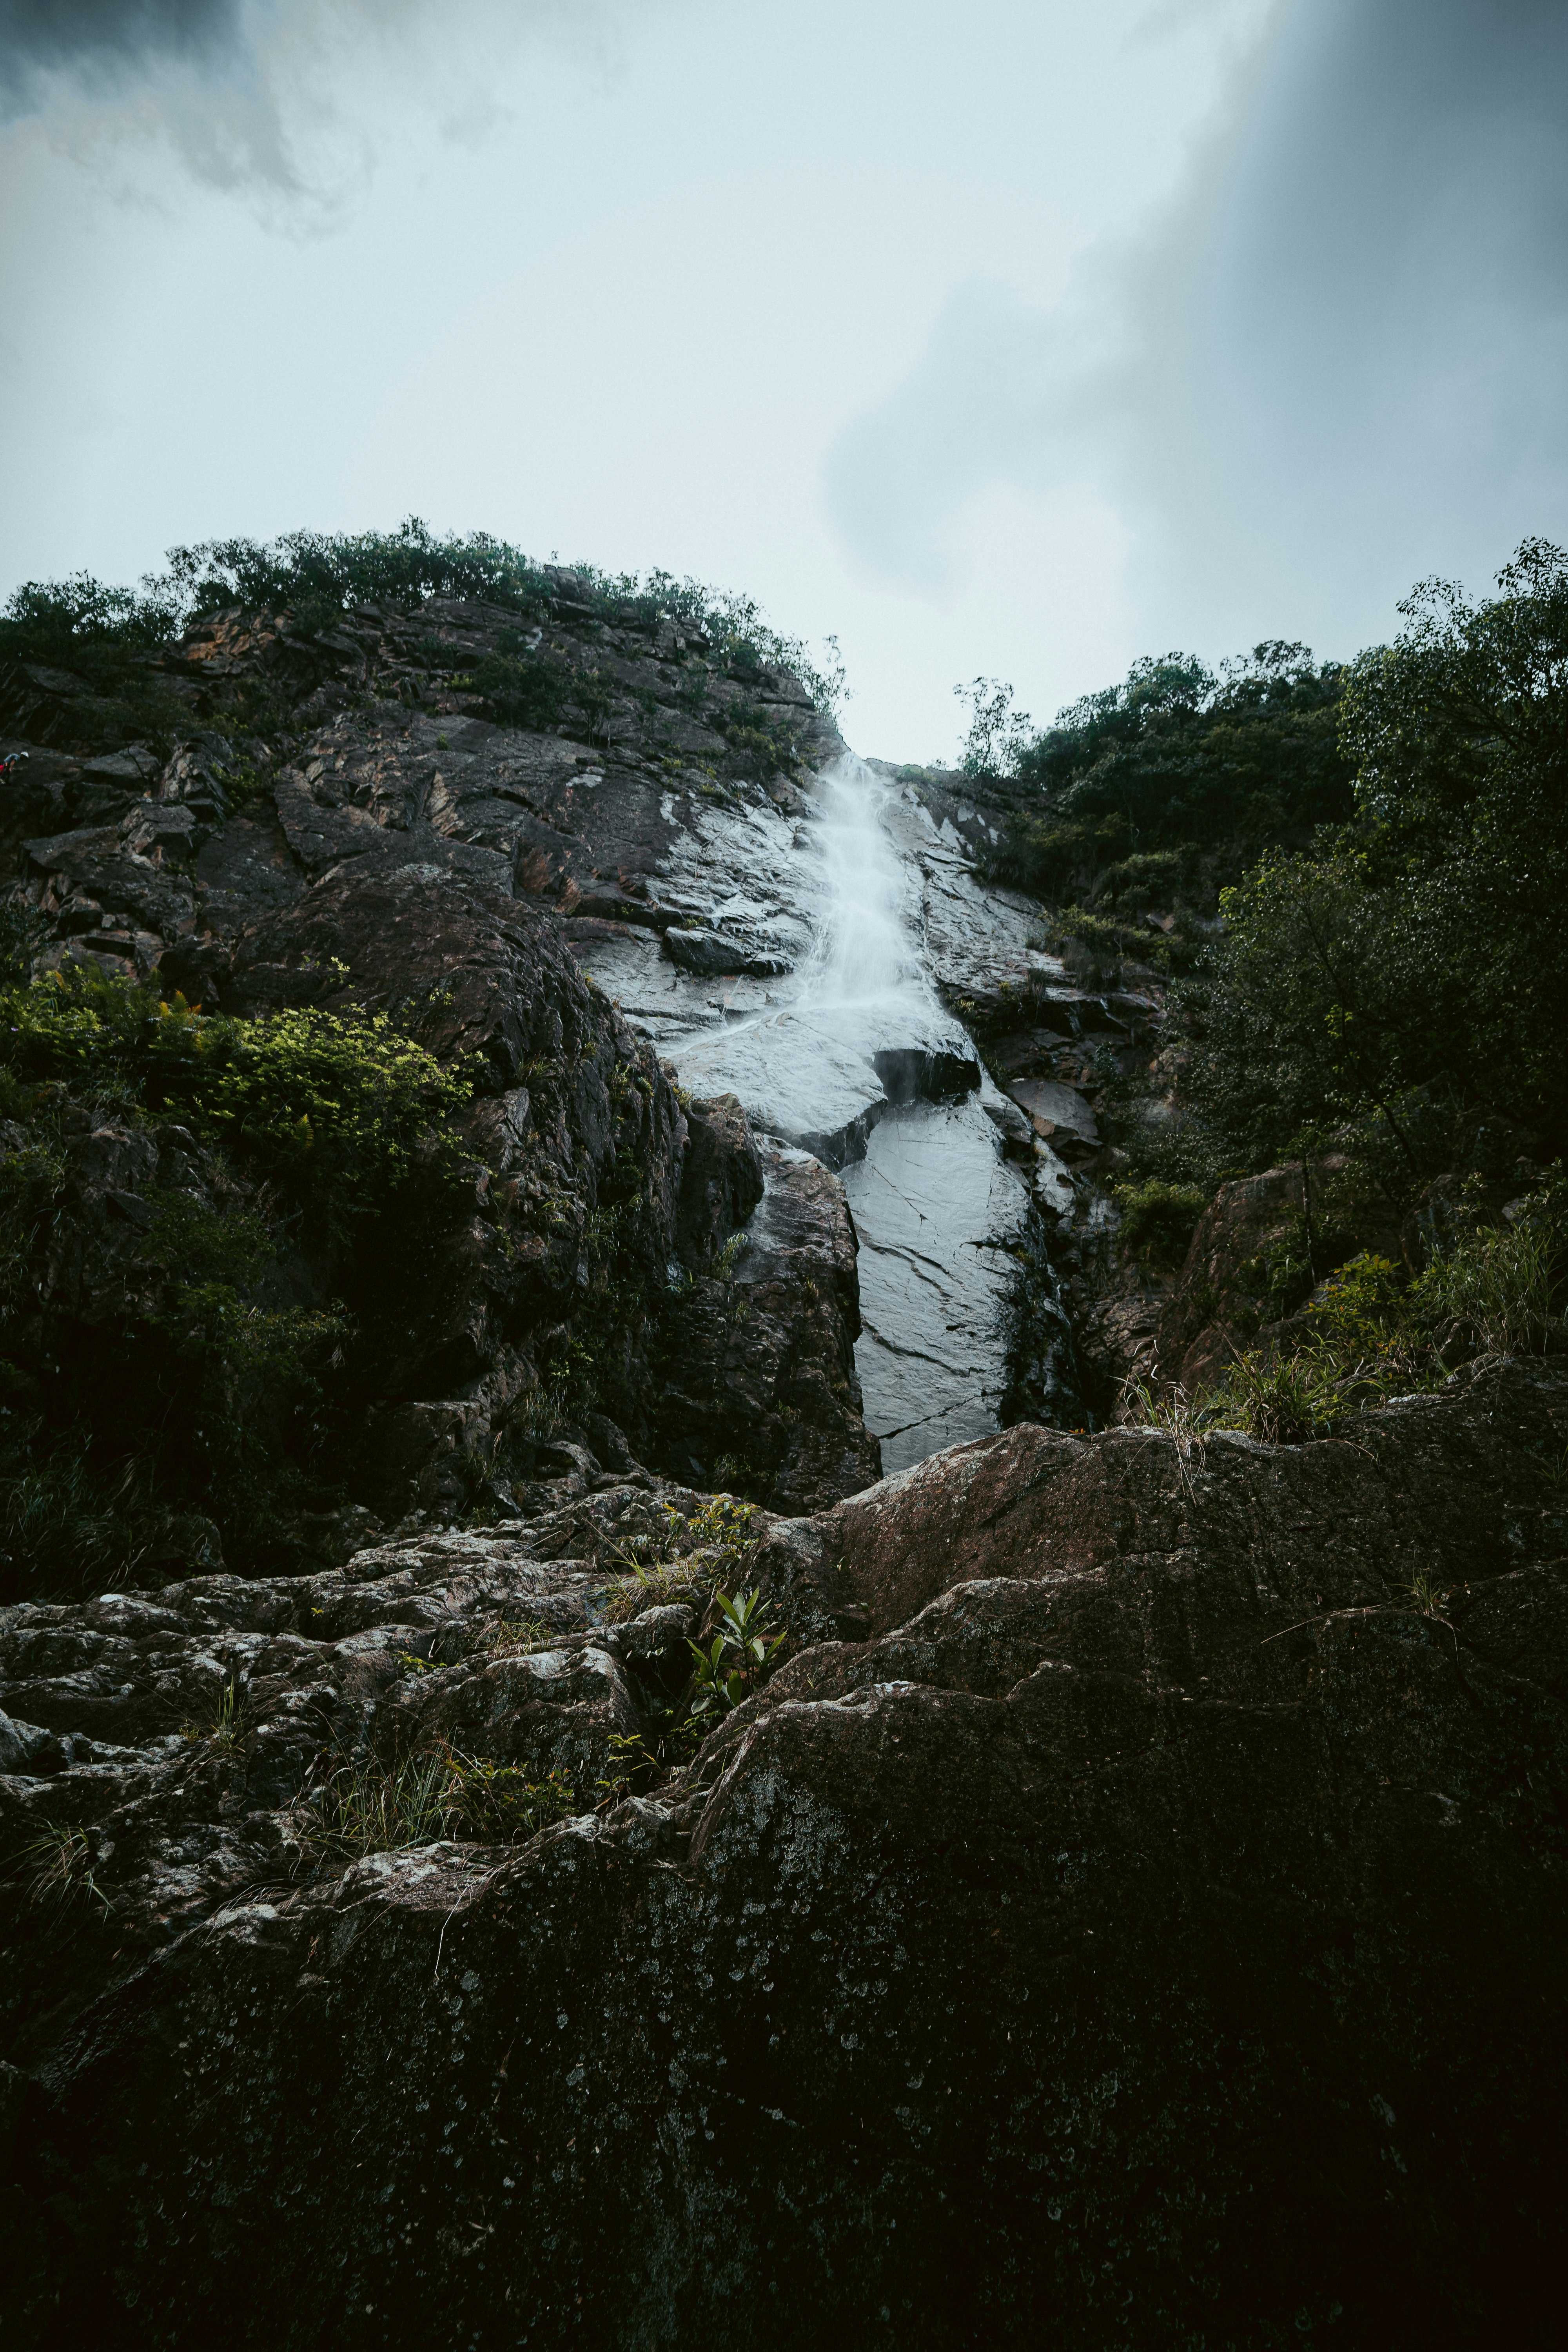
[[99, 643], [1174, 760], [1506, 1285], [998, 733], [334, 1105], [1285, 1400], [23, 936], [523, 690], [690, 1549], [1158, 1218], [1392, 977], [329, 1103], [224, 1727], [1370, 1333], [63, 1527], [105, 638], [235, 1361], [368, 1807], [730, 1666], [320, 575]]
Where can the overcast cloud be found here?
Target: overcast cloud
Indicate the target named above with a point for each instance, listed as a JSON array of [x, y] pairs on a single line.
[[1022, 339]]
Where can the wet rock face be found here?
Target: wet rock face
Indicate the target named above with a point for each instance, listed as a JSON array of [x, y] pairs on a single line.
[[759, 1392], [1154, 1938], [941, 1219]]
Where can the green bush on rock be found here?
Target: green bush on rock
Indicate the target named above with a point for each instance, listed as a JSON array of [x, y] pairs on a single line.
[[196, 1390]]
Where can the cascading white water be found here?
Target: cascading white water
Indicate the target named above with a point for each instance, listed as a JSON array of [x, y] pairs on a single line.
[[865, 961], [854, 1057], [802, 1053]]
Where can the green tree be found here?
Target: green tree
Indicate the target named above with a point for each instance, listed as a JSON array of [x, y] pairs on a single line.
[[1411, 969], [1177, 761]]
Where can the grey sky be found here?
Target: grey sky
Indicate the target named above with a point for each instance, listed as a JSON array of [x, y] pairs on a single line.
[[1023, 339]]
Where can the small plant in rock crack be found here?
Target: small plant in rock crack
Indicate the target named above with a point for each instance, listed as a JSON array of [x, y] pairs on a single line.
[[224, 1727], [1175, 1415], [1429, 1598], [633, 1766], [512, 1636], [730, 1666], [644, 1582], [58, 1866]]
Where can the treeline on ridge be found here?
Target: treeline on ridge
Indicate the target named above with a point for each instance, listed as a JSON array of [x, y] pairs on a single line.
[[1353, 879]]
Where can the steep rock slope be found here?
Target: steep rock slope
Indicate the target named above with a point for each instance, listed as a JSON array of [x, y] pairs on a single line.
[[343, 828], [1152, 1939]]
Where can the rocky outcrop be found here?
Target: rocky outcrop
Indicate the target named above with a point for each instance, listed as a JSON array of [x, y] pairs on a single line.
[[759, 1392], [370, 746], [1150, 1934], [358, 821]]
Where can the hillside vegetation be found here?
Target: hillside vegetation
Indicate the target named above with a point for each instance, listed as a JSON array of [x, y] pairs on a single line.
[[1348, 883]]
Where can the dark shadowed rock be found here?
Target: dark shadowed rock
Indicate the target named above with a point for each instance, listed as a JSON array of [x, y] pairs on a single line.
[[720, 1177], [759, 1389], [710, 953], [1154, 1940]]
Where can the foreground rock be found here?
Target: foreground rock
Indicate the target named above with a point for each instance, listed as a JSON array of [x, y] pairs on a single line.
[[1149, 1936]]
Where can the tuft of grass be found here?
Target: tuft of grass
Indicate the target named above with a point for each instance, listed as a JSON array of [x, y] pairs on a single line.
[[1172, 1414], [643, 1586], [226, 1728], [702, 1549], [515, 1636], [1285, 1399], [1506, 1284], [368, 1807], [1428, 1598], [57, 1867]]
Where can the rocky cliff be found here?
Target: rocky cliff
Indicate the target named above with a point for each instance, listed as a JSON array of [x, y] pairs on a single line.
[[441, 819]]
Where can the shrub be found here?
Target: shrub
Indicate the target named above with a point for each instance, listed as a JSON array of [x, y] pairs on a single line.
[[333, 1104], [224, 1397], [1371, 1333], [105, 637], [1507, 1285], [1158, 1218], [529, 691], [730, 1666]]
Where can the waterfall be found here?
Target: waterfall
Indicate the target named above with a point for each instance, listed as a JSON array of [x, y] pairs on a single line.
[[855, 1058], [865, 962]]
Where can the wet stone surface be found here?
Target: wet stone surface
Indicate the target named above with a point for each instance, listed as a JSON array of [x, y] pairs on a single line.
[[938, 1212]]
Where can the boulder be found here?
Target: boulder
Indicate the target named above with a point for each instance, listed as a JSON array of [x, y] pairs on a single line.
[[721, 1178], [1058, 1111]]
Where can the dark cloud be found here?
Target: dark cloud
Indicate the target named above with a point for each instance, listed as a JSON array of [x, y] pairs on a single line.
[[108, 39], [1388, 300], [1339, 363]]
